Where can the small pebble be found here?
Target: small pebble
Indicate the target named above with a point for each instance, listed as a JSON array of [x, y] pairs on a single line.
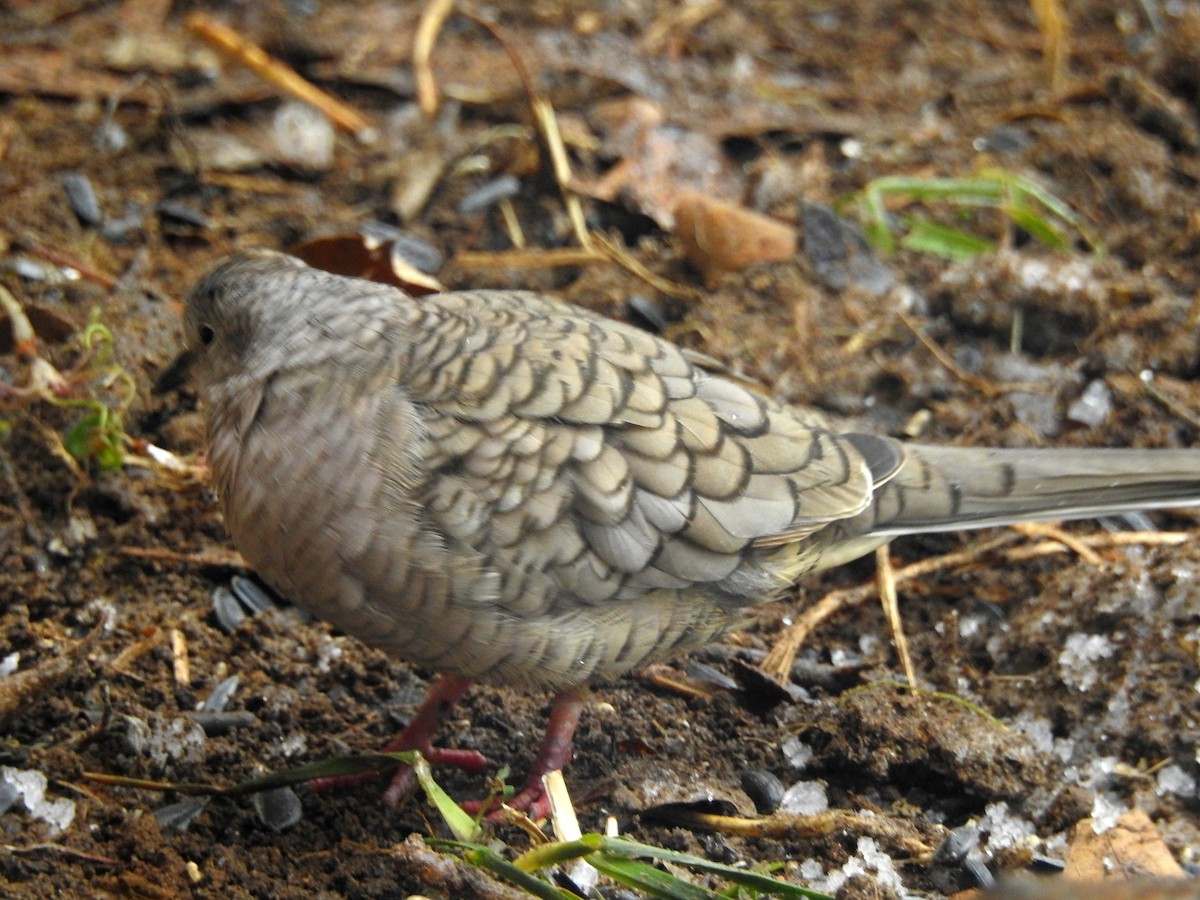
[[219, 698], [1093, 405], [969, 358], [840, 254], [116, 230], [764, 789], [32, 270], [182, 214], [489, 194], [278, 808], [253, 595], [216, 724], [957, 844], [178, 816], [1005, 139], [82, 198], [304, 136], [9, 795], [134, 733], [110, 137]]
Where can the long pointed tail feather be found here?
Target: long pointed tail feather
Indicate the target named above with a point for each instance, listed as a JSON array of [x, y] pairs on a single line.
[[955, 488]]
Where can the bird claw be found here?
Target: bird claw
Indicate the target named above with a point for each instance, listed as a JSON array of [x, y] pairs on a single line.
[[553, 755], [531, 800], [403, 782]]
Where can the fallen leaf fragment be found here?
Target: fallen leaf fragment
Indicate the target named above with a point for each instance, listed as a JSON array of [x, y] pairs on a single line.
[[1132, 848], [718, 237], [359, 255]]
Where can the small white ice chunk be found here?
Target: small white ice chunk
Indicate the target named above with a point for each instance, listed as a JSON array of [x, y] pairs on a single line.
[[1106, 809], [31, 785], [304, 136], [1004, 829], [1173, 780], [1093, 405], [804, 798], [1078, 658], [798, 753]]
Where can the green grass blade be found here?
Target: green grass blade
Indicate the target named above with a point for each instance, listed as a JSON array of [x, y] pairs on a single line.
[[327, 768], [498, 865], [461, 825], [943, 241], [1022, 200], [558, 852], [644, 877], [875, 222], [1024, 185], [624, 847], [1038, 227]]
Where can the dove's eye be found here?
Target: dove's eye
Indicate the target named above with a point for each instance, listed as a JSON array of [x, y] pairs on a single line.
[[207, 335]]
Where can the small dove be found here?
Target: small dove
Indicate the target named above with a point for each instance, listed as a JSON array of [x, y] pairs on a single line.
[[502, 487]]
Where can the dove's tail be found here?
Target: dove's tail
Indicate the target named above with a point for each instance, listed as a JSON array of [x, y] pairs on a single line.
[[954, 488]]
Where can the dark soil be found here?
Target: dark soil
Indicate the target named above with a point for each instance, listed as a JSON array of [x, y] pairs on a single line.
[[1090, 669]]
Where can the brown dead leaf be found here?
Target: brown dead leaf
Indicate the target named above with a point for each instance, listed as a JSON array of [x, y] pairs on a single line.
[[362, 256], [657, 162], [1132, 848], [718, 237]]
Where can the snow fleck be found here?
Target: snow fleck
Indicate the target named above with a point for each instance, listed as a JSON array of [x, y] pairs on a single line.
[[31, 787], [798, 753], [805, 798], [1173, 780], [1078, 658]]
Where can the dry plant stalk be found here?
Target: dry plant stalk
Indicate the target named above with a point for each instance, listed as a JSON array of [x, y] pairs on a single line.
[[885, 579], [1052, 22], [778, 662], [282, 76], [428, 29]]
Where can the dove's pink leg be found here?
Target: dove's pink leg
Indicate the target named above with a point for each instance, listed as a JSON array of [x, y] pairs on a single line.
[[554, 754], [418, 735]]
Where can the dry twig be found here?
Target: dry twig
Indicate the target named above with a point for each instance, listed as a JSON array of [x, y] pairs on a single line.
[[885, 579], [527, 259], [628, 262], [896, 832], [222, 559], [179, 656], [1056, 533], [282, 76], [985, 387], [685, 17], [778, 662], [432, 19]]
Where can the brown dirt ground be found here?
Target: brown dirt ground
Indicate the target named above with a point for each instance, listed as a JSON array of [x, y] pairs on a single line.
[[781, 94]]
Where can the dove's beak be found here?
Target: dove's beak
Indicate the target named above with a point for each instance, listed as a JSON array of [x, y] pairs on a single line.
[[177, 373]]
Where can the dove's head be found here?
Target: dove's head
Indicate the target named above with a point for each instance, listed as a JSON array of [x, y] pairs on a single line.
[[259, 312], [233, 314]]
